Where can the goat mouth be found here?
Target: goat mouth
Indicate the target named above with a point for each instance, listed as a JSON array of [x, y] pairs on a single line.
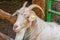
[[17, 29], [14, 29]]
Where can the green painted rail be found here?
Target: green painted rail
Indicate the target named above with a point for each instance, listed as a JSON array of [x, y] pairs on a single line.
[[54, 12], [48, 11]]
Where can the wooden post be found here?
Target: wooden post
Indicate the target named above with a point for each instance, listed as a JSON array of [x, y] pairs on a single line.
[[40, 3], [7, 17]]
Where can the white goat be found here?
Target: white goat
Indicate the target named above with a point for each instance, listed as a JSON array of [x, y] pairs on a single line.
[[36, 28]]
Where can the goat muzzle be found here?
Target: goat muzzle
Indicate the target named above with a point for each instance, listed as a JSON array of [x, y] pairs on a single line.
[[14, 28]]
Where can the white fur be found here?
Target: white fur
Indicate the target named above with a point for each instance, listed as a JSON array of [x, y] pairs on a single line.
[[20, 34], [45, 30], [48, 31]]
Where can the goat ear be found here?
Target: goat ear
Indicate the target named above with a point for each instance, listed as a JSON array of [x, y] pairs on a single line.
[[32, 17]]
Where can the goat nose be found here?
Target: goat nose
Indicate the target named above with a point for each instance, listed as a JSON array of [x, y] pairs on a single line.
[[14, 27]]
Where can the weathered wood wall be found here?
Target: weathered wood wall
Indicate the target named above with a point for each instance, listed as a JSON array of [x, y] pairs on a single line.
[[40, 3], [7, 17]]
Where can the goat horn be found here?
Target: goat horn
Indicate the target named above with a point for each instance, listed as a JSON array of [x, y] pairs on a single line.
[[24, 5], [34, 5]]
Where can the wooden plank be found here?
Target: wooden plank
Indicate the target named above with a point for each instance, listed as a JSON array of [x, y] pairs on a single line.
[[5, 37], [40, 3], [7, 17]]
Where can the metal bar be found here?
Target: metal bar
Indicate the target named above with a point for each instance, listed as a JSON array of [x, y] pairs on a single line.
[[54, 12], [48, 14]]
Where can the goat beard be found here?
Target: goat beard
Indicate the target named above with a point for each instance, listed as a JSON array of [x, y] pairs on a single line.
[[21, 32], [31, 33]]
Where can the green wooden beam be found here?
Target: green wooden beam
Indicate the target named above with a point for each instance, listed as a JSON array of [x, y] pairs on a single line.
[[48, 14], [54, 12], [55, 0]]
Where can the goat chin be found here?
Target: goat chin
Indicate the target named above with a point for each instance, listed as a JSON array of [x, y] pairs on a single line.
[[20, 34]]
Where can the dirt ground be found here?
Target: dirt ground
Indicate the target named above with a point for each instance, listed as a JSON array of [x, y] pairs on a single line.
[[6, 27]]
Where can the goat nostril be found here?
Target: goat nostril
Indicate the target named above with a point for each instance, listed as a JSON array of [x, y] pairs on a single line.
[[15, 26]]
